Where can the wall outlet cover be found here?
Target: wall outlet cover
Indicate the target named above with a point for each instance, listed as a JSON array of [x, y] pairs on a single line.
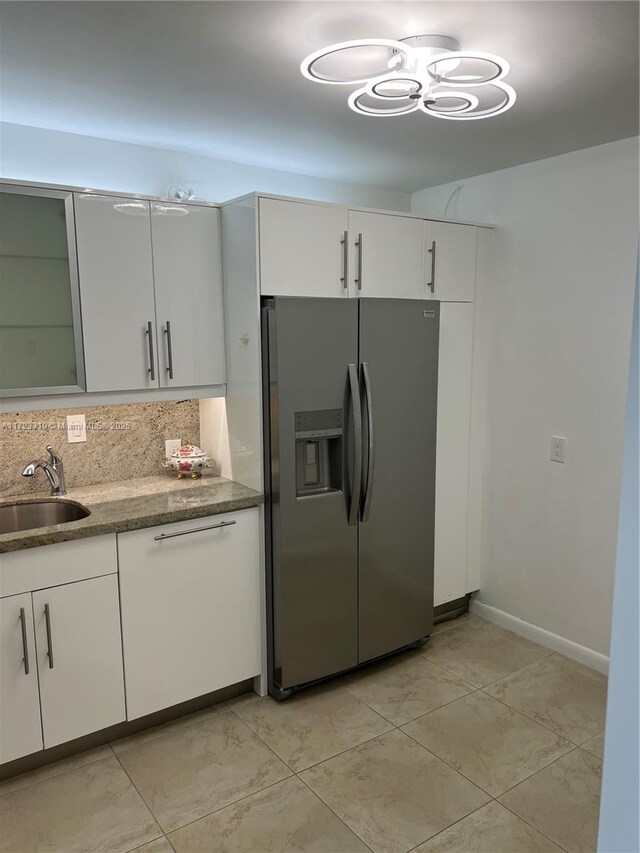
[[76, 428], [558, 448], [172, 445]]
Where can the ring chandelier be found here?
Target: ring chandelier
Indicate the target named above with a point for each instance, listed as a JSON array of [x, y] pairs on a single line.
[[427, 73]]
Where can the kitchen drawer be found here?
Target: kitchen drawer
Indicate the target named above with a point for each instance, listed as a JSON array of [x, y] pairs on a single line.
[[51, 565]]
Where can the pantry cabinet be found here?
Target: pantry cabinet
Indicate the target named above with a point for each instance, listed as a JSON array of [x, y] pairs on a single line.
[[151, 287], [190, 597], [61, 672], [452, 451], [449, 261]]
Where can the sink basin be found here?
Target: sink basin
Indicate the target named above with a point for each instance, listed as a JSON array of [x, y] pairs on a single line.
[[25, 516]]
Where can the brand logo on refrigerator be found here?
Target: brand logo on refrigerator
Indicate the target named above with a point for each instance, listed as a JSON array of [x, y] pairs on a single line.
[[428, 313]]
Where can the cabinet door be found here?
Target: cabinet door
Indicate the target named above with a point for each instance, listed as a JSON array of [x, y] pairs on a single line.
[[79, 658], [40, 330], [301, 249], [116, 288], [452, 450], [190, 608], [20, 731], [386, 254], [449, 261], [188, 288]]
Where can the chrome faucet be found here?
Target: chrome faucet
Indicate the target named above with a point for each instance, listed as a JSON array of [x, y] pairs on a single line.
[[53, 468]]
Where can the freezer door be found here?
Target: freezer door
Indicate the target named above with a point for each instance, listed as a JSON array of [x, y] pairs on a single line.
[[311, 548], [399, 365]]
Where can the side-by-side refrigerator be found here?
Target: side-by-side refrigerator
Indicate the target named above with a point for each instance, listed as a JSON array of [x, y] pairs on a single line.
[[350, 396]]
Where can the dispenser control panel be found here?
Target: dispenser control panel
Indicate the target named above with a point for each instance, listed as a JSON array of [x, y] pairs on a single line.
[[318, 452]]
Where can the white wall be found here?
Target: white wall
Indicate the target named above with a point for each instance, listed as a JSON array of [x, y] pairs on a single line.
[[619, 830], [49, 156], [559, 309]]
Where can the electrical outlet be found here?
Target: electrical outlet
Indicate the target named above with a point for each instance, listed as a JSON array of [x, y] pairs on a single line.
[[558, 448], [76, 429], [172, 445]]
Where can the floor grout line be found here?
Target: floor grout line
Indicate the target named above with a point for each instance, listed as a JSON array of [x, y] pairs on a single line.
[[459, 820], [524, 820], [318, 797], [534, 720], [148, 807]]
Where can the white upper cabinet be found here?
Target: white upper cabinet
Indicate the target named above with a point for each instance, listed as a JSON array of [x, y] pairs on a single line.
[[449, 261], [116, 287], [188, 289], [151, 289], [385, 255], [302, 250]]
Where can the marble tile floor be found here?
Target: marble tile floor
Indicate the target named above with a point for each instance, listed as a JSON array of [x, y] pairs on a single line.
[[479, 742]]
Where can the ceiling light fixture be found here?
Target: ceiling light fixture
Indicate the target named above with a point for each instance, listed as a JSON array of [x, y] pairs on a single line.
[[426, 73]]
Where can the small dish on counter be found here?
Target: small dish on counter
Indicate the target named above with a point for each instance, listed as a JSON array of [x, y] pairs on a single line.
[[189, 459]]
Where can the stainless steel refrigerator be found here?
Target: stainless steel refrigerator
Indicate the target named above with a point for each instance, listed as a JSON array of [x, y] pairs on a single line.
[[350, 396]]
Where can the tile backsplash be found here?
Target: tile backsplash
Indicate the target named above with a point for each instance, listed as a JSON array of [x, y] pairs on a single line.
[[123, 442]]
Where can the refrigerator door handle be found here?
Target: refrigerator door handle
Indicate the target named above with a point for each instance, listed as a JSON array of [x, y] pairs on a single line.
[[371, 457], [356, 474]]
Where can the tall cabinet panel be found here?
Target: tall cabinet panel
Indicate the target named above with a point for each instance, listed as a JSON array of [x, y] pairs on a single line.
[[116, 287], [20, 732], [452, 454], [188, 289], [302, 249], [385, 255]]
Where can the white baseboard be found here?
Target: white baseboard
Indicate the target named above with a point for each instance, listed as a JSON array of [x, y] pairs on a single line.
[[572, 650]]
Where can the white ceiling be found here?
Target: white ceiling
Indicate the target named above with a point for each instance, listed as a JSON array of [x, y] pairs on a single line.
[[222, 79]]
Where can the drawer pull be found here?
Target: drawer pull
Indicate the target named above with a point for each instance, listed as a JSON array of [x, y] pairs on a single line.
[[25, 647], [47, 618], [195, 530]]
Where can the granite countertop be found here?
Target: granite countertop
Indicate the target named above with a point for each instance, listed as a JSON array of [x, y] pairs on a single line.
[[131, 505]]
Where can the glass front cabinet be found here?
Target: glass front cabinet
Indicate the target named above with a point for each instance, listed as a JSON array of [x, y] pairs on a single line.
[[40, 328]]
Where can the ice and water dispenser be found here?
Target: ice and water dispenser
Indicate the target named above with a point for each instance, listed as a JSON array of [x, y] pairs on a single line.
[[318, 452]]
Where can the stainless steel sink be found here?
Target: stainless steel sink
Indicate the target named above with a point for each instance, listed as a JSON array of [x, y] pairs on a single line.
[[25, 516]]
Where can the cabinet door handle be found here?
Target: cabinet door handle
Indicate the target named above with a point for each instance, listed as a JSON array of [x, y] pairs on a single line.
[[167, 332], [432, 251], [25, 647], [358, 280], [345, 259], [194, 530], [152, 365], [47, 619]]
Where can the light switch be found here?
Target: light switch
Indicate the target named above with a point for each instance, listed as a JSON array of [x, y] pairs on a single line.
[[76, 429]]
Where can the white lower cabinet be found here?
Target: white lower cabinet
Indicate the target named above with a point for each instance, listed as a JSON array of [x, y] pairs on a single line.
[[190, 598], [61, 672], [452, 450], [20, 730], [79, 654]]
